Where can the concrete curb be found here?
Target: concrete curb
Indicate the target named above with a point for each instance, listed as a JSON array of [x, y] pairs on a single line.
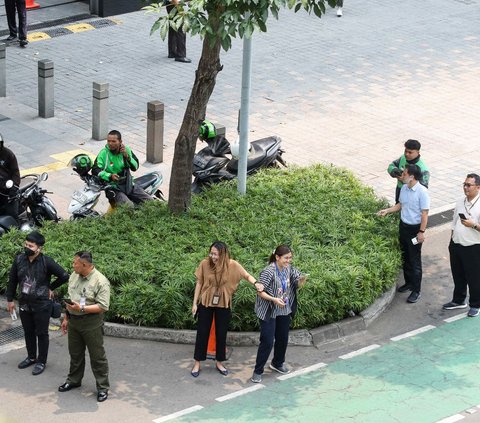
[[301, 337]]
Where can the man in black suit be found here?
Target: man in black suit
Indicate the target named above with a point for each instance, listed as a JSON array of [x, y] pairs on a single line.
[[12, 7]]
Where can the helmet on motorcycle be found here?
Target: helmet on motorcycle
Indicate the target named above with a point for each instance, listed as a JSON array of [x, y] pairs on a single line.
[[81, 163], [207, 130]]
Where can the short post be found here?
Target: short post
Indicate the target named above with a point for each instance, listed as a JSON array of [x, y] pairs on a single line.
[[3, 70], [155, 128], [45, 89], [100, 111]]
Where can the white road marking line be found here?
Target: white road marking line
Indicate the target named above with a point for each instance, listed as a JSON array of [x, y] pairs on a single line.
[[178, 414], [302, 371], [241, 392], [452, 419], [359, 352], [456, 317], [471, 411], [412, 333], [11, 346]]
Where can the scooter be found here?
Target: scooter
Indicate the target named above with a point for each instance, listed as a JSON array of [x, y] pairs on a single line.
[[211, 165], [34, 206], [84, 201]]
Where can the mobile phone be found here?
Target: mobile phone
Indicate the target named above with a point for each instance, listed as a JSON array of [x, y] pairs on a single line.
[[462, 216], [13, 315], [414, 241], [68, 301]]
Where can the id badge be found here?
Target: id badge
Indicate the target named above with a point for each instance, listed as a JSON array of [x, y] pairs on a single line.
[[26, 288], [216, 299], [83, 301]]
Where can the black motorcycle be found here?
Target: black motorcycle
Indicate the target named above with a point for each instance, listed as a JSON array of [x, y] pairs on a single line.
[[34, 206], [211, 164]]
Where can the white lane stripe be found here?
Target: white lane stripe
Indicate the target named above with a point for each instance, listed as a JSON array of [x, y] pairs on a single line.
[[256, 387], [413, 333], [302, 371], [178, 414], [11, 346], [359, 352], [452, 419], [454, 318]]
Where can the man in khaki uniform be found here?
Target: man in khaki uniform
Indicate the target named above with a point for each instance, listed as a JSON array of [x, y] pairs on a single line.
[[89, 293]]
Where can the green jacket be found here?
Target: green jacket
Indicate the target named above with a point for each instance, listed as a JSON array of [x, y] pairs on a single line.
[[108, 164], [402, 162]]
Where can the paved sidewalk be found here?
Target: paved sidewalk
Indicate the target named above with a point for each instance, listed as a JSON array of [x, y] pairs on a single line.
[[345, 91]]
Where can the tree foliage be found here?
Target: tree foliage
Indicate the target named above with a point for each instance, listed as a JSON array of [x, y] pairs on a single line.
[[217, 22]]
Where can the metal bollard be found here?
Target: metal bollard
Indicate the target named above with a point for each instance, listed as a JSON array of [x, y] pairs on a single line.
[[3, 70], [155, 128], [100, 111], [46, 96]]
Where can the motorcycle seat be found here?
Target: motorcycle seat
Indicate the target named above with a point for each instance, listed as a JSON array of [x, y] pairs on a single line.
[[146, 180], [258, 152]]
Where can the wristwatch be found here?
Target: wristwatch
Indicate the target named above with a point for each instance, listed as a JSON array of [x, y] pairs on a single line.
[[82, 309], [474, 226]]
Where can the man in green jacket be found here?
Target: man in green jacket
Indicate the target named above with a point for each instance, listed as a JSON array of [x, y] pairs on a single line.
[[410, 156], [113, 165]]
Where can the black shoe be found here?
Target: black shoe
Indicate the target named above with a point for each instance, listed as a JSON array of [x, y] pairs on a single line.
[[223, 372], [102, 396], [11, 38], [413, 297], [171, 56], [404, 288], [26, 363], [67, 387], [182, 59], [23, 43], [38, 368]]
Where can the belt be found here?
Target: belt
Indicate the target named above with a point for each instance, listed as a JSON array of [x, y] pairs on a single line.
[[408, 225]]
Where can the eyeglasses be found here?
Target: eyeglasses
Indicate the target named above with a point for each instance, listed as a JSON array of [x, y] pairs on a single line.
[[467, 185]]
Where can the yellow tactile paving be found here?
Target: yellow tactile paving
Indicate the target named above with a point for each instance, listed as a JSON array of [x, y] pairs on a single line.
[[66, 156], [81, 27], [61, 162], [37, 36]]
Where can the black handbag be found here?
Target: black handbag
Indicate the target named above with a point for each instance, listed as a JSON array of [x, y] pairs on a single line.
[[56, 309]]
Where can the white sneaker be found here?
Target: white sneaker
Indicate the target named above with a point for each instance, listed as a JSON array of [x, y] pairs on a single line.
[[339, 12]]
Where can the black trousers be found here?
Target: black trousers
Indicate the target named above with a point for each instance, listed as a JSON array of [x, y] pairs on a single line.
[[205, 317], [465, 266], [137, 196], [273, 334], [411, 256], [12, 7], [35, 325], [177, 41]]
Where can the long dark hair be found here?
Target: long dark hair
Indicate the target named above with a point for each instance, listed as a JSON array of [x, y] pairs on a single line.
[[223, 257], [281, 250]]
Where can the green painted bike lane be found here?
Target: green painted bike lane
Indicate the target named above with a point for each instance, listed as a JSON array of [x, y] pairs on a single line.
[[421, 379]]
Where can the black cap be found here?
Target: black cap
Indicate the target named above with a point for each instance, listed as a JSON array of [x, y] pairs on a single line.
[[36, 237]]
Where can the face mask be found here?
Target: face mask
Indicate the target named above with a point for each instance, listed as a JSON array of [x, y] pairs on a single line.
[[29, 252]]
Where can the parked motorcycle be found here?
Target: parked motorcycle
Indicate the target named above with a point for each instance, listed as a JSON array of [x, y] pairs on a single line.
[[84, 201], [211, 164], [34, 206]]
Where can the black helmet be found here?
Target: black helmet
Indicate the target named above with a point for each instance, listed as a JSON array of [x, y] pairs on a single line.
[[207, 130], [81, 163]]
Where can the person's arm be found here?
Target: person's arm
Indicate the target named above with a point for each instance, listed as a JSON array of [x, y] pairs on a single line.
[[394, 209], [423, 226], [14, 170], [196, 295], [61, 275], [425, 178], [12, 286], [394, 168], [258, 286], [99, 166], [131, 159]]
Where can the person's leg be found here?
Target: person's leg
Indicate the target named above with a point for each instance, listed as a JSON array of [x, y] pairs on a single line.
[[181, 39], [28, 324], [471, 264], [42, 320], [281, 340], [22, 19], [458, 274], [267, 334], [172, 48], [404, 241], [222, 319], [340, 3], [76, 349], [10, 10], [93, 337], [138, 195], [205, 317], [118, 199]]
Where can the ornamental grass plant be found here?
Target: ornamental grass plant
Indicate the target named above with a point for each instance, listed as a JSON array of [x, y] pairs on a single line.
[[324, 213]]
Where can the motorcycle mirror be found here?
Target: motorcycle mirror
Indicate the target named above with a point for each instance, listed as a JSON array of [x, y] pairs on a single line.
[[235, 149], [44, 176], [9, 184]]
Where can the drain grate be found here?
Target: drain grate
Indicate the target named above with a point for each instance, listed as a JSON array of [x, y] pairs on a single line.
[[10, 335]]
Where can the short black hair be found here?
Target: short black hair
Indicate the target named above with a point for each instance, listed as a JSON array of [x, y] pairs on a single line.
[[36, 237], [116, 133], [85, 255], [474, 176], [413, 144], [414, 170]]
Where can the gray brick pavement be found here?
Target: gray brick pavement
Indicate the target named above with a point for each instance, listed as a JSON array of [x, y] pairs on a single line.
[[345, 91]]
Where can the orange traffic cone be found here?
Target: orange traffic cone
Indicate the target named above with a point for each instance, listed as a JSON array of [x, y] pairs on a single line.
[[212, 342], [32, 5]]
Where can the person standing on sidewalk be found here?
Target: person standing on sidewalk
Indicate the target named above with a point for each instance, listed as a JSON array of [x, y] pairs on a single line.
[[177, 40], [8, 171], [218, 277], [12, 7], [339, 8], [32, 272], [464, 248], [413, 205], [275, 307], [89, 292], [411, 155]]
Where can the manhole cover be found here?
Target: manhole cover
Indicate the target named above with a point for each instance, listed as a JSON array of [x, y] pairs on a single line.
[[11, 335]]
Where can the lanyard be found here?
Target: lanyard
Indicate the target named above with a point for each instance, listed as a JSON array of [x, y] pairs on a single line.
[[282, 274], [471, 207]]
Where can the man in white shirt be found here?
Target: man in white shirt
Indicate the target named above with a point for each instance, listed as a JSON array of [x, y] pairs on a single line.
[[464, 248]]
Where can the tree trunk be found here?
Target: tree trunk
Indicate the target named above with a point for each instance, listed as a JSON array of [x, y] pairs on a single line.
[[205, 77]]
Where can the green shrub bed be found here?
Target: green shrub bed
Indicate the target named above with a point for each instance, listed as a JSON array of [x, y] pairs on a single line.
[[324, 213]]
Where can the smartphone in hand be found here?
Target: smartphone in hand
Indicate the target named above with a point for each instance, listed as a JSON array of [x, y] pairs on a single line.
[[68, 301], [462, 216]]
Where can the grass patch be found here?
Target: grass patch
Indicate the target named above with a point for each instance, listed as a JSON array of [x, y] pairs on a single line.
[[324, 213]]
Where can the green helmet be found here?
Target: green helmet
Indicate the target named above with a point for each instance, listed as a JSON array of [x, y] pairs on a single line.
[[81, 163], [207, 130]]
